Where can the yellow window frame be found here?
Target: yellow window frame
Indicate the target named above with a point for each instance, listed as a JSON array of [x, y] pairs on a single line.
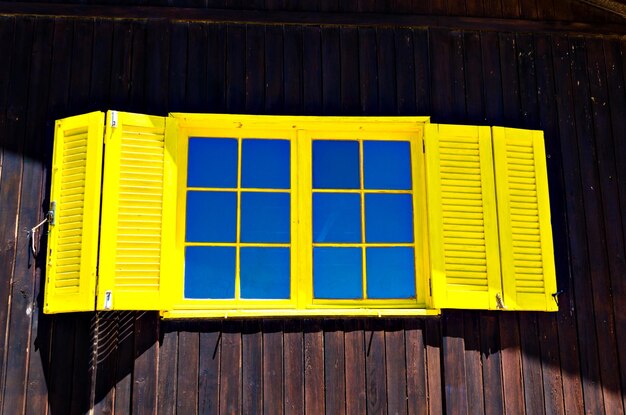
[[300, 131]]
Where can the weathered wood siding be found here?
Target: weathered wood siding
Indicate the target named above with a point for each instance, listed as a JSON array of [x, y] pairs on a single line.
[[569, 85]]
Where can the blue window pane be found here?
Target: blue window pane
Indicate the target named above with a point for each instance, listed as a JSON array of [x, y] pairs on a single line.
[[336, 165], [265, 273], [390, 272], [265, 217], [388, 218], [212, 162], [265, 164], [387, 165], [337, 273], [336, 217], [211, 217], [209, 272]]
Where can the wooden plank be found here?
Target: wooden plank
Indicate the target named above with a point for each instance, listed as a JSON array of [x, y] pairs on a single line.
[[334, 367], [416, 386], [436, 404], [440, 69], [145, 371], [273, 370], [105, 329], [209, 368], [168, 369], [615, 65], [453, 355], [177, 83], [492, 363], [456, 8], [354, 344], [121, 64], [235, 69], [473, 69], [492, 21], [101, 63], [312, 69], [82, 51], [331, 70], [36, 390], [125, 362], [81, 376], [492, 79], [17, 177], [547, 323], [474, 7], [196, 82], [293, 70], [368, 71], [293, 366], [527, 82], [606, 240], [567, 321], [375, 367], [387, 87], [405, 71], [531, 364], [313, 367], [157, 64], [230, 368], [473, 363], [216, 68], [274, 70], [138, 67], [62, 353], [396, 367], [255, 69], [422, 72], [512, 381], [252, 362], [187, 370], [529, 9], [349, 65], [510, 82], [511, 9]]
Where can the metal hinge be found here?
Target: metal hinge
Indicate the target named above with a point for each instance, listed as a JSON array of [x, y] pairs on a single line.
[[113, 120], [51, 216], [499, 302]]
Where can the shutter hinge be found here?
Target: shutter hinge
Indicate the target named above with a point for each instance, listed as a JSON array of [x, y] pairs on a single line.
[[499, 303], [51, 216], [113, 120]]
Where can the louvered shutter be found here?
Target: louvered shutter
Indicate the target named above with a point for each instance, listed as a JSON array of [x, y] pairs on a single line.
[[75, 199], [528, 273], [462, 218], [138, 213]]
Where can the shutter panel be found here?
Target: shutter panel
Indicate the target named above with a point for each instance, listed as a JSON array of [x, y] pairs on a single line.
[[75, 197], [528, 272], [462, 218], [138, 213]]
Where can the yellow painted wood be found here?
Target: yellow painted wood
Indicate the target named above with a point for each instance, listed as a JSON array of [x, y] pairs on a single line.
[[339, 312], [527, 254], [138, 200], [462, 218], [73, 238]]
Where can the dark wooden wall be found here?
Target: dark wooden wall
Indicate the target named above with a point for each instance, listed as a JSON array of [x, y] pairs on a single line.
[[567, 84]]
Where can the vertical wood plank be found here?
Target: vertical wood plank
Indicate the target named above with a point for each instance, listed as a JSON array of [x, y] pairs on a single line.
[[230, 368], [294, 71], [422, 72], [274, 70], [216, 68], [334, 368], [473, 364], [512, 381], [387, 86], [62, 359], [368, 71], [375, 367], [157, 64], [196, 82], [121, 64], [474, 8], [436, 404], [168, 370], [475, 112], [144, 397], [405, 72], [454, 362], [510, 81], [531, 364], [81, 376], [209, 368], [138, 67], [101, 64], [187, 373], [492, 87], [293, 361], [349, 64], [255, 69], [396, 367], [312, 67], [235, 68], [492, 363], [273, 370], [417, 396], [510, 8], [313, 367], [252, 348], [354, 344], [440, 68], [331, 70], [177, 84]]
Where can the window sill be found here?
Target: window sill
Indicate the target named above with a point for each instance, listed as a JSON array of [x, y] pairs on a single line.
[[341, 312]]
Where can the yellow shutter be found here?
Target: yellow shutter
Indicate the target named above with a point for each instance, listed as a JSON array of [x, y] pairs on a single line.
[[462, 218], [527, 254], [75, 199], [138, 213]]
